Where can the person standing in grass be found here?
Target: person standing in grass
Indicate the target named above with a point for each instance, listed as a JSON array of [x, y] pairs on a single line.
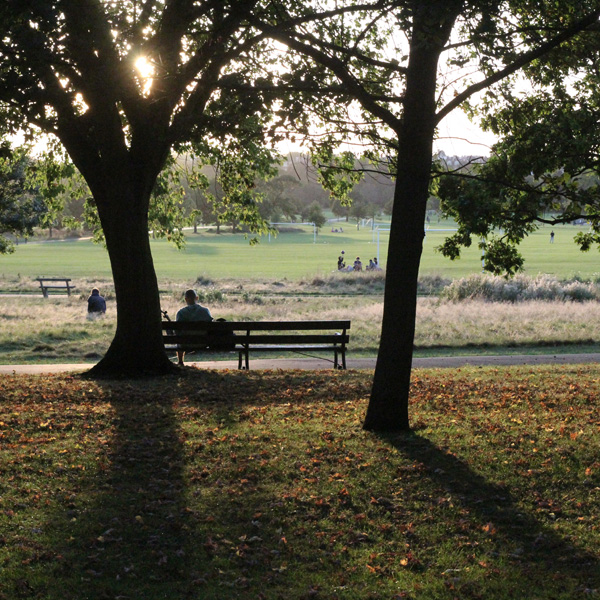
[[96, 304], [191, 312], [552, 237]]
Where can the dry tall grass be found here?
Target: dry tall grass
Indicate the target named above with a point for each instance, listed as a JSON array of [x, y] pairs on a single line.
[[34, 329], [56, 329], [532, 322]]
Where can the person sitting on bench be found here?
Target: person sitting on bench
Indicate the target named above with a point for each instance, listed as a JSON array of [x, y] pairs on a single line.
[[191, 312]]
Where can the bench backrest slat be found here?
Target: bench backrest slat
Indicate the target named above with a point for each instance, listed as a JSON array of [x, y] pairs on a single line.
[[41, 279], [253, 325]]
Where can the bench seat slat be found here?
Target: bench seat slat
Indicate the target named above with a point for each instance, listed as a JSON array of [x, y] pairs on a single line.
[[272, 348], [46, 283], [242, 340], [292, 339]]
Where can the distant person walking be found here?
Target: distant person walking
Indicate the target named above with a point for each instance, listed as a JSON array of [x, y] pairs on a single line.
[[96, 304], [552, 237]]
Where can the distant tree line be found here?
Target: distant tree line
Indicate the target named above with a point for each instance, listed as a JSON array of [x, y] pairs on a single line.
[[187, 196]]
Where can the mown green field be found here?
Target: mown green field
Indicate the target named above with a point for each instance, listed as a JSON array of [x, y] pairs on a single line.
[[290, 255]]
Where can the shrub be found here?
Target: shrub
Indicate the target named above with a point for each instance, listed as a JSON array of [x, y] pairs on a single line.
[[252, 299], [519, 288], [581, 291], [431, 285], [211, 296], [203, 281]]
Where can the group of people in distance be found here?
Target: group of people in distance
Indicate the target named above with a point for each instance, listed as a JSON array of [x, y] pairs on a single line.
[[373, 265], [357, 266]]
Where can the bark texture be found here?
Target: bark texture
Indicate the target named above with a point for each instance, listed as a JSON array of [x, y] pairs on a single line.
[[137, 347], [388, 405]]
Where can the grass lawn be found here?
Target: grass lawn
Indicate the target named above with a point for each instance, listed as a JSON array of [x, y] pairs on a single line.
[[290, 255], [263, 485]]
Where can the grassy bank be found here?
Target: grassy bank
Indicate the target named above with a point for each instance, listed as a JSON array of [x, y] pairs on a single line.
[[246, 485], [55, 330]]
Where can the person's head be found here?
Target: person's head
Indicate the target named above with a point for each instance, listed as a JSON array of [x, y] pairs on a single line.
[[191, 296], [95, 292]]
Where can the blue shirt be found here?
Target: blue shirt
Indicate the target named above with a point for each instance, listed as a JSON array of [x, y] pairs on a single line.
[[193, 312]]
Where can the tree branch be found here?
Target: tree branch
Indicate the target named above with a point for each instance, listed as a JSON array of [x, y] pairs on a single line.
[[520, 62], [339, 69]]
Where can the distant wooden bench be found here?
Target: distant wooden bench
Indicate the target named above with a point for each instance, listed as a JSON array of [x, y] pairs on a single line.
[[55, 283], [244, 337]]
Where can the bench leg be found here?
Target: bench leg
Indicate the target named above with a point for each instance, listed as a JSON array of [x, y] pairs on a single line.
[[244, 354], [337, 364]]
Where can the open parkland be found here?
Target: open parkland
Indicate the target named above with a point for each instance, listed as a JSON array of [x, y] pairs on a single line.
[[223, 484], [294, 253]]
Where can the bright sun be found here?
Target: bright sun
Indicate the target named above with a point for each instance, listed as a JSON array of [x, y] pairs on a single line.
[[146, 70], [144, 67]]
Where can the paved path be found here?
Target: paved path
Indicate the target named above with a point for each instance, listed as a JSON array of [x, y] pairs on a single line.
[[352, 363]]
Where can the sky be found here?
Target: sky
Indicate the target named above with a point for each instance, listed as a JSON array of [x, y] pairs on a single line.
[[457, 136]]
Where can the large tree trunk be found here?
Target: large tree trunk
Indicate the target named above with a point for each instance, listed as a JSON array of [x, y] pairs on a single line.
[[388, 406], [137, 347]]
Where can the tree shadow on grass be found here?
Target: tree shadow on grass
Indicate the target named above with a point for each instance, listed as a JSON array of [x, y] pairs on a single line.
[[127, 531], [534, 559], [168, 514], [130, 538]]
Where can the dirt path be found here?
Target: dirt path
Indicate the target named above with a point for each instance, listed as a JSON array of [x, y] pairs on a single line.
[[356, 363]]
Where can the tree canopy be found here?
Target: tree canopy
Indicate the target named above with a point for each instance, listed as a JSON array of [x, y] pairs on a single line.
[[21, 205], [543, 170]]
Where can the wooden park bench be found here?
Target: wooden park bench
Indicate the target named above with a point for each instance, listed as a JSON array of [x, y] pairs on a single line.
[[55, 283], [244, 337]]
